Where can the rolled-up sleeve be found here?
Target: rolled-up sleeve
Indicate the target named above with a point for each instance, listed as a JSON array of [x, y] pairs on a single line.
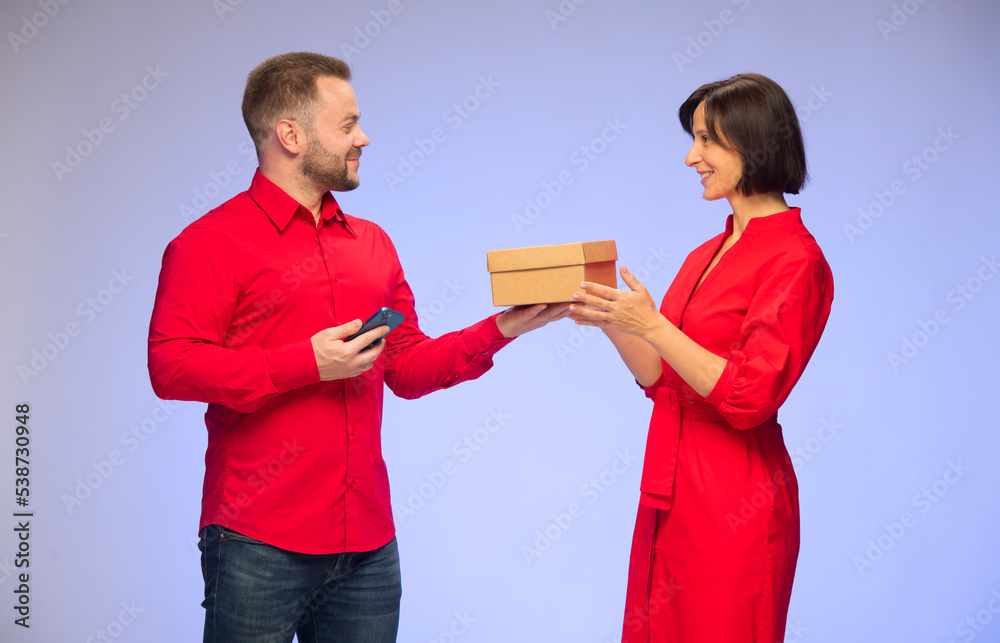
[[782, 327]]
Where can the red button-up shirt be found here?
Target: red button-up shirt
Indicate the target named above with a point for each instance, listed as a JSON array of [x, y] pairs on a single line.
[[293, 461]]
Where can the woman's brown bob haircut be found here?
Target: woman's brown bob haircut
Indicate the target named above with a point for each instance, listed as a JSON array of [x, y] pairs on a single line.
[[285, 87], [752, 115]]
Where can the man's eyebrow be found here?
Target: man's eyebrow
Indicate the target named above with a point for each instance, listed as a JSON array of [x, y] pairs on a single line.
[[350, 117]]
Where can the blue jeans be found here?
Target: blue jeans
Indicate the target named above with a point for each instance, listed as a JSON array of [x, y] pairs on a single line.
[[256, 593]]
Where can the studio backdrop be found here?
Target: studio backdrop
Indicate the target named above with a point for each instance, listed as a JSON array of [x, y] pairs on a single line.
[[497, 125]]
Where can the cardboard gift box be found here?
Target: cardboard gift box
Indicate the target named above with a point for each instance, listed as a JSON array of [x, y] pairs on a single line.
[[549, 274]]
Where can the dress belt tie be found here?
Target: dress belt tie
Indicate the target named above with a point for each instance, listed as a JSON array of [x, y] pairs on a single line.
[[660, 462]]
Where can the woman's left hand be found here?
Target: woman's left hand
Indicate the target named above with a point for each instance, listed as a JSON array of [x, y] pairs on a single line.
[[627, 311]]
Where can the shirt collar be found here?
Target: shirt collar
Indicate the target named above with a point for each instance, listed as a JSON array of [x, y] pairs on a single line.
[[281, 208]]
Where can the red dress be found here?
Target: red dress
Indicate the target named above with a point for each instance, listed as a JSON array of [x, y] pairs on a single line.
[[717, 535]]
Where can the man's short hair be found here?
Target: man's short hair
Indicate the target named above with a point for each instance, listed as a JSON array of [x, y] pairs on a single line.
[[751, 114], [285, 87]]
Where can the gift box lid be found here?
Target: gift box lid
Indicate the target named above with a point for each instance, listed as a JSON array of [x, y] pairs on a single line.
[[563, 254]]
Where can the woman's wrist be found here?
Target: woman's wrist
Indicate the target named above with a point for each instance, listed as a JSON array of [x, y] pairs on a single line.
[[658, 328]]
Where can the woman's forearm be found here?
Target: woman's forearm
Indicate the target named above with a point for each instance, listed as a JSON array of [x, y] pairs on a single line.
[[643, 335], [697, 366], [640, 358]]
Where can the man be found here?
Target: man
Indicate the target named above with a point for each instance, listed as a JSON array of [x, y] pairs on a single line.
[[255, 300]]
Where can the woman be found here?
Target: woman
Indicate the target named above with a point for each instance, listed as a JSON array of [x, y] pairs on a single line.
[[717, 533]]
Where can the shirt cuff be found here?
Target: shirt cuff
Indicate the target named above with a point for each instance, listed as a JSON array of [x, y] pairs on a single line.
[[486, 338], [721, 388], [292, 365]]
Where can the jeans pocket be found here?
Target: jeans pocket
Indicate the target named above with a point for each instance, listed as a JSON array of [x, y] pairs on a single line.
[[228, 534]]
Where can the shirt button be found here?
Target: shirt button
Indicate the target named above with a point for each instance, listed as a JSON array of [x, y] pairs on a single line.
[[353, 484], [354, 431]]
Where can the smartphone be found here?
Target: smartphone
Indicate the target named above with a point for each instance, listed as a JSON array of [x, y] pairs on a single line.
[[382, 317]]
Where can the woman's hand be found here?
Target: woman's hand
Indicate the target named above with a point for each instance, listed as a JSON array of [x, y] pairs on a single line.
[[627, 311]]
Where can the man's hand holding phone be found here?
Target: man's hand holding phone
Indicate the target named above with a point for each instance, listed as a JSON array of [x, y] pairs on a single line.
[[352, 348]]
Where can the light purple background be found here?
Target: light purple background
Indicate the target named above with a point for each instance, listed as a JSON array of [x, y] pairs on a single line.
[[869, 100]]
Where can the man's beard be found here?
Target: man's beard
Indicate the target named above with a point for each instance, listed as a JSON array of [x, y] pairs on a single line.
[[324, 169]]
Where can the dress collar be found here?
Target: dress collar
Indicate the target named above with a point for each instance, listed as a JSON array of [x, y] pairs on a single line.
[[757, 225]]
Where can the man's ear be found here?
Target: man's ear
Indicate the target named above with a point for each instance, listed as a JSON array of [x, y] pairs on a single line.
[[290, 136]]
